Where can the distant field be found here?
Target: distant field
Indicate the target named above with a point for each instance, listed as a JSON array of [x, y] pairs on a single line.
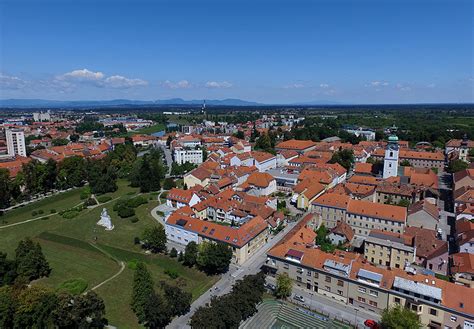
[[149, 130], [68, 245]]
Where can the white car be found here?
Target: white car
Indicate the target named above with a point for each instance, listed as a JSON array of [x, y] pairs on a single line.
[[299, 298]]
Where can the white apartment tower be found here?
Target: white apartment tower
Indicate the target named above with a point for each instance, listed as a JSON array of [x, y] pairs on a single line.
[[390, 164], [15, 142]]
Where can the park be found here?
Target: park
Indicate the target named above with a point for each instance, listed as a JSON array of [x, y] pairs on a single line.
[[85, 256]]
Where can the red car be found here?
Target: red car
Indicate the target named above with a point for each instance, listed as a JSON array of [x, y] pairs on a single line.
[[371, 324]]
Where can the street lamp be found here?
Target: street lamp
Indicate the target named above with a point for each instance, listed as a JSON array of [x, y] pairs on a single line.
[[356, 318]]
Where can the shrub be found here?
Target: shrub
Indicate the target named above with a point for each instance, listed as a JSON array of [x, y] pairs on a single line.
[[45, 218], [85, 193], [53, 211], [134, 219], [132, 264], [104, 198], [173, 253], [74, 286], [90, 202], [136, 240], [160, 213], [40, 212], [71, 213], [172, 273], [137, 201], [126, 212], [34, 213]]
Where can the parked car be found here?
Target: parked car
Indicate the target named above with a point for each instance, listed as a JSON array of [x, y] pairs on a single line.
[[299, 298], [371, 324], [270, 286]]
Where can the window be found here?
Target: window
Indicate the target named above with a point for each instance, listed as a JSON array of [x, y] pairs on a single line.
[[328, 288], [454, 318], [298, 278], [433, 311], [372, 303], [309, 273], [316, 275], [360, 299], [286, 266], [339, 292], [396, 300], [373, 293], [362, 290], [328, 278], [340, 283]]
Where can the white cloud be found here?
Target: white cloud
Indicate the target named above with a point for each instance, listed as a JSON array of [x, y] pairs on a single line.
[[11, 82], [379, 83], [183, 84], [118, 81], [431, 85], [324, 85], [294, 86], [70, 80], [215, 84], [82, 75], [403, 87]]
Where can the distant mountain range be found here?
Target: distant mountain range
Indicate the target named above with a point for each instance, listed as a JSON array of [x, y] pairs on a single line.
[[31, 103], [22, 103]]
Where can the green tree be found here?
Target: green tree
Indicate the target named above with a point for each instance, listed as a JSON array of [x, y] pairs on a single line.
[[214, 258], [59, 141], [263, 143], [173, 252], [7, 309], [178, 301], [399, 317], [154, 239], [457, 165], [7, 270], [156, 312], [141, 291], [344, 157], [405, 163], [283, 286], [102, 177], [34, 307], [240, 134], [169, 183], [80, 311], [5, 185], [30, 261], [190, 254], [72, 172]]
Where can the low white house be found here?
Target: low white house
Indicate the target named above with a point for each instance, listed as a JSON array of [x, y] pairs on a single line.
[[182, 155], [178, 198]]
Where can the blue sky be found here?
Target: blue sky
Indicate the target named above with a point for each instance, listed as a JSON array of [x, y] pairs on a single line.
[[360, 51]]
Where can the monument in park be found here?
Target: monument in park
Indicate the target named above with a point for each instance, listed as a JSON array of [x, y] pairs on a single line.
[[105, 220]]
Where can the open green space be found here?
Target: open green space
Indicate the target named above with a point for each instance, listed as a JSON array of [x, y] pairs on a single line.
[[79, 251], [149, 130]]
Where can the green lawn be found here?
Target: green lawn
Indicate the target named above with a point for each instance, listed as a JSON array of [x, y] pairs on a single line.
[[149, 130], [58, 202], [68, 246]]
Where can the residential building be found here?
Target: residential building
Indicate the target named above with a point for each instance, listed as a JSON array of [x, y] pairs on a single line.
[[350, 280], [300, 146], [423, 214], [15, 138], [389, 249], [183, 155], [244, 240], [462, 268], [178, 198]]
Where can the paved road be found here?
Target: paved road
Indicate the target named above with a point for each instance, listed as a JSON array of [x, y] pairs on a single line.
[[224, 285], [168, 158], [325, 305]]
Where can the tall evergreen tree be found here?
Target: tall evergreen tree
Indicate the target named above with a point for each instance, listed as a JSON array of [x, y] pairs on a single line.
[[30, 261], [142, 291]]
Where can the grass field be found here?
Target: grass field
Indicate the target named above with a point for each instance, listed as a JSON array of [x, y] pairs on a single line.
[[149, 130], [68, 244]]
